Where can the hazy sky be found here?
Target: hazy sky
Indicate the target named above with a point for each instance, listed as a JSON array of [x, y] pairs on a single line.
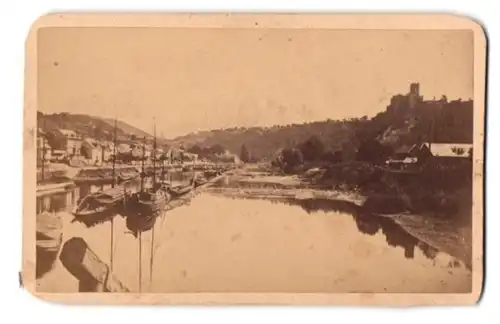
[[198, 79]]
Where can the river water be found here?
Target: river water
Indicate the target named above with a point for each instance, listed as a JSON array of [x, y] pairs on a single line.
[[222, 244]]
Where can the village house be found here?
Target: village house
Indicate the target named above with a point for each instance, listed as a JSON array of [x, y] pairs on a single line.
[[449, 153], [93, 151], [123, 153], [157, 154], [174, 155], [136, 151], [108, 150], [192, 157], [406, 155], [72, 143]]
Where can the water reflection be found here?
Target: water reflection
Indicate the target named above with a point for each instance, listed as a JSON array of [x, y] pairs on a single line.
[[219, 243], [366, 222]]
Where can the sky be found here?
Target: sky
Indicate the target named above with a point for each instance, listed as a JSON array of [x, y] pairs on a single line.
[[187, 80]]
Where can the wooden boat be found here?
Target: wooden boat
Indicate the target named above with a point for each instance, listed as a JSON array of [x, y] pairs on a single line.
[[48, 241], [150, 201], [210, 173], [127, 175], [49, 231], [94, 175], [200, 181], [99, 202], [178, 191], [138, 223]]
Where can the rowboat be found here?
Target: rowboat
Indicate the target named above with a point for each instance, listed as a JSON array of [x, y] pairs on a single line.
[[48, 241], [200, 181], [176, 192]]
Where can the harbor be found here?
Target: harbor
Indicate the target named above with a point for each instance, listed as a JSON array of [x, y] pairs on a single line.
[[61, 217], [140, 258]]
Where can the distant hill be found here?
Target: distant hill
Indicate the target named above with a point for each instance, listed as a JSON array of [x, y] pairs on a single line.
[[127, 128], [438, 121], [435, 121], [264, 142], [89, 126]]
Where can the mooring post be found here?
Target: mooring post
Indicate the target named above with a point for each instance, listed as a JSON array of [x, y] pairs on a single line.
[[93, 274]]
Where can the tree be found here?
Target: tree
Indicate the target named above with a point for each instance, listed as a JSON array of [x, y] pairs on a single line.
[[373, 151], [195, 149], [217, 149], [333, 157], [244, 155], [312, 149], [291, 159]]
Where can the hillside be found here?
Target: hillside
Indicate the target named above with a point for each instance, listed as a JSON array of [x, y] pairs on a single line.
[[449, 122], [127, 128], [439, 121], [86, 125], [266, 141]]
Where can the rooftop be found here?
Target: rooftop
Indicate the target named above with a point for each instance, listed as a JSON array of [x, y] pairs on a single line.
[[449, 149]]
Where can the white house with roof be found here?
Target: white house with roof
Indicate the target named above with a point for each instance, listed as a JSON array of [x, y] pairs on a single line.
[[92, 150], [450, 149], [108, 148], [72, 142]]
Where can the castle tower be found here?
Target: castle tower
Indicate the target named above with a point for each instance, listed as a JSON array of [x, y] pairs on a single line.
[[415, 89], [414, 95]]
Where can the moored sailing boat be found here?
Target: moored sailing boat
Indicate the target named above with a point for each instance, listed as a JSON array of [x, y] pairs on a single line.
[[100, 206], [152, 200], [148, 202]]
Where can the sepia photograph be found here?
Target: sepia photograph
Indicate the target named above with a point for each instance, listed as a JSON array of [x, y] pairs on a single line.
[[257, 160]]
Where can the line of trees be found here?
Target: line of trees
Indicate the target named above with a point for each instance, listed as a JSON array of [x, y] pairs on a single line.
[[313, 150], [214, 153]]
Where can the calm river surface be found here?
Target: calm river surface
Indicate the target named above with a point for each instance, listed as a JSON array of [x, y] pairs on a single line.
[[221, 244]]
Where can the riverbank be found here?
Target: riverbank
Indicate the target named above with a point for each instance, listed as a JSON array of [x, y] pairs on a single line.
[[444, 191], [435, 213]]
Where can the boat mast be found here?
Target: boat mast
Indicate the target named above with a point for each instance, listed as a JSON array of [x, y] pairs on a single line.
[[114, 156], [112, 223], [151, 254], [140, 261], [163, 168], [142, 162], [154, 155], [153, 229], [43, 156], [163, 156]]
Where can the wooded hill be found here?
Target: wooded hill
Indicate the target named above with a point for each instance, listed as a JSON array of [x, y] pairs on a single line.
[[437, 121], [87, 126]]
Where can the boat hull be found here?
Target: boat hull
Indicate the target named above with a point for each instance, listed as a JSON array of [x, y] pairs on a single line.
[[140, 223], [178, 192], [148, 207]]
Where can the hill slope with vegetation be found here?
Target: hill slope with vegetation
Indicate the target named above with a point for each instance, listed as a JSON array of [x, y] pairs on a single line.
[[437, 121], [87, 126], [450, 122]]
